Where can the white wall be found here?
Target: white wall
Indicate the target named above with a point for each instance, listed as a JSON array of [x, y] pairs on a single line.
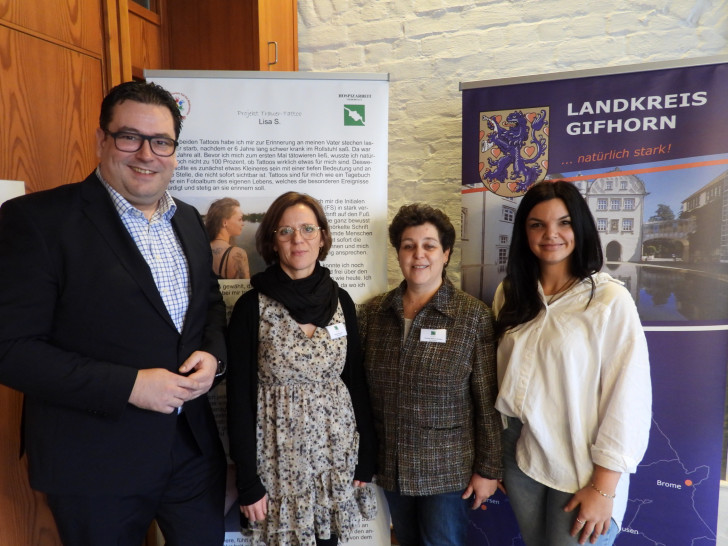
[[429, 46]]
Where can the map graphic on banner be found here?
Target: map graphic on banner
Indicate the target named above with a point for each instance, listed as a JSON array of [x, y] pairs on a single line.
[[648, 149], [252, 136]]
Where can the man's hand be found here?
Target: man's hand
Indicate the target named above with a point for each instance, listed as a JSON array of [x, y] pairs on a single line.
[[160, 390], [203, 367], [157, 389]]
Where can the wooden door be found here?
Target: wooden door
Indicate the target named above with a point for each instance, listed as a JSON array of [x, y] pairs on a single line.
[[233, 34], [147, 42], [50, 92], [212, 35], [49, 103], [277, 35]]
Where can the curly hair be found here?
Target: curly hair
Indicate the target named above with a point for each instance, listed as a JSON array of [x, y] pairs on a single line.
[[417, 214]]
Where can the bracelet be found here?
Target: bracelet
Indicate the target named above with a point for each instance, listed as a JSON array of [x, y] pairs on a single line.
[[602, 493]]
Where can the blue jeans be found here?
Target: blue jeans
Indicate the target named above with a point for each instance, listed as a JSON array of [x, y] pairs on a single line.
[[429, 520], [538, 508]]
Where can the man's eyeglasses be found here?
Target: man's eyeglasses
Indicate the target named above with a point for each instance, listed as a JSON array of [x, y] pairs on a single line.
[[307, 231], [133, 142]]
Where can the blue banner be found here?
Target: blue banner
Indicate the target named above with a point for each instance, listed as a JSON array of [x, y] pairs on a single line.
[[648, 149]]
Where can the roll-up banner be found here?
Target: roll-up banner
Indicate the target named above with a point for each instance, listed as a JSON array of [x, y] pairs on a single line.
[[647, 146], [252, 136]]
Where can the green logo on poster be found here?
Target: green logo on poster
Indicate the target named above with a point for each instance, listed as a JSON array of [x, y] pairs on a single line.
[[354, 114]]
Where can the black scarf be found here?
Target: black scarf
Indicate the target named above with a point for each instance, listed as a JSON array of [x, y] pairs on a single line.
[[312, 300]]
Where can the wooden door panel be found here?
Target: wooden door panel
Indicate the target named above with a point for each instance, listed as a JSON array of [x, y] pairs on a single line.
[[212, 35], [49, 100], [49, 103], [24, 516], [145, 38], [73, 22]]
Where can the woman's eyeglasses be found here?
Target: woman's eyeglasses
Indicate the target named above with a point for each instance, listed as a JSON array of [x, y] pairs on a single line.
[[307, 231]]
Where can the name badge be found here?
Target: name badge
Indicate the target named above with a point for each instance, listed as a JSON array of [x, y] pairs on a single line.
[[337, 330], [433, 336]]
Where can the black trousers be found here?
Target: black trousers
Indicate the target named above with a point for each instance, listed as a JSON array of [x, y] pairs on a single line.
[[187, 502], [333, 541]]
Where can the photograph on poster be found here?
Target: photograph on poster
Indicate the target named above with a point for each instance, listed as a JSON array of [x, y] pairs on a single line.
[[660, 227], [224, 222]]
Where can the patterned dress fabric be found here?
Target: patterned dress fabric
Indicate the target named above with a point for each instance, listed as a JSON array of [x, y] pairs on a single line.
[[306, 434]]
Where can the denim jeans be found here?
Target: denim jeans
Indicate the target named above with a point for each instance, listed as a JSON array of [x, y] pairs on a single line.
[[429, 520], [538, 508]]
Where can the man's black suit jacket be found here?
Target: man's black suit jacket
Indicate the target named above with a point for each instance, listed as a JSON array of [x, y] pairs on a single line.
[[79, 315]]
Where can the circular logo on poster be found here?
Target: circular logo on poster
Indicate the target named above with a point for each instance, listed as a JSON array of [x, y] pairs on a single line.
[[183, 103]]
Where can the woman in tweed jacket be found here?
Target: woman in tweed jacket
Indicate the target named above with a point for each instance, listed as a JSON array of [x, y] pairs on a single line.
[[430, 362]]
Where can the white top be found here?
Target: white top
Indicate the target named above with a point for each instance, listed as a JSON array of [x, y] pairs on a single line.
[[579, 379]]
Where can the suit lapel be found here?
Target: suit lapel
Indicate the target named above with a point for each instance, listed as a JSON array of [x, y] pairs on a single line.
[[190, 233], [100, 210]]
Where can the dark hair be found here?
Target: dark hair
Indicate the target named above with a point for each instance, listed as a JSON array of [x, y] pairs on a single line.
[[143, 92], [417, 214], [522, 301], [265, 237], [219, 211]]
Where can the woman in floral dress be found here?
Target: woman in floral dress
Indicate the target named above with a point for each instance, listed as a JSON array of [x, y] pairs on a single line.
[[299, 417]]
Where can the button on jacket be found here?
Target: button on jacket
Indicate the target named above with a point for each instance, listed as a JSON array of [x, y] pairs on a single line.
[[433, 402]]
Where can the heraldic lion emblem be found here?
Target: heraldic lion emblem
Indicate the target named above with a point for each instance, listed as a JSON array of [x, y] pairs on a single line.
[[513, 150]]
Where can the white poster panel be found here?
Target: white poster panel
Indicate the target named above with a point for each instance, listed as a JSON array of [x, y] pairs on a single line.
[[252, 136], [10, 189]]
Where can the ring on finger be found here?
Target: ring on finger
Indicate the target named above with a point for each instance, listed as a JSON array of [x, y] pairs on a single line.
[[582, 522]]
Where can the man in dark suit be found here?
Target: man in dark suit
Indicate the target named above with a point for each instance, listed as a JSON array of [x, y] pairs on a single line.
[[112, 324]]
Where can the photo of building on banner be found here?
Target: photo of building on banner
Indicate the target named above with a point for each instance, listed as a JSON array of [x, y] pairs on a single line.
[[247, 138], [647, 148]]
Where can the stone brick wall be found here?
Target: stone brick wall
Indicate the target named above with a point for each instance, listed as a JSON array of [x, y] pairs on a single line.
[[429, 46]]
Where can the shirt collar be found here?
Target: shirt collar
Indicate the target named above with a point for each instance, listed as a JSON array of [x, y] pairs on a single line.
[[165, 208], [441, 301]]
